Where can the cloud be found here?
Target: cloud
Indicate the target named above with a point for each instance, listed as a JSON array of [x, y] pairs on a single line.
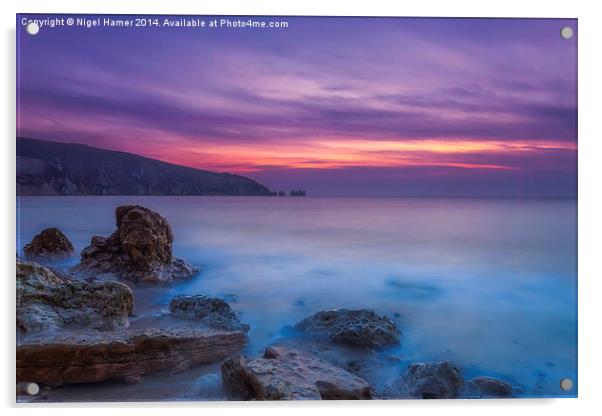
[[261, 101]]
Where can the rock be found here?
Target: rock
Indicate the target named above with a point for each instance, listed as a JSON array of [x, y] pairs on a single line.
[[45, 300], [139, 250], [287, 374], [361, 328], [234, 378], [123, 355], [213, 312], [491, 387], [433, 380], [50, 244]]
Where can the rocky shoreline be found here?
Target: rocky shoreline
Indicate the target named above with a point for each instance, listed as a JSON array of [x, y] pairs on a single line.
[[126, 356], [73, 328]]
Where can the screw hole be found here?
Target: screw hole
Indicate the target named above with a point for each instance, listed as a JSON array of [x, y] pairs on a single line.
[[566, 384], [32, 28], [566, 32], [32, 389]]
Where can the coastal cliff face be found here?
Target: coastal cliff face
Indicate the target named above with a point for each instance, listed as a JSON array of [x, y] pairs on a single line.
[[49, 168]]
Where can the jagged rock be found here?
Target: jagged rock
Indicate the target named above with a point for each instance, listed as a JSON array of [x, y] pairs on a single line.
[[433, 380], [49, 244], [139, 250], [213, 312], [287, 374], [362, 328], [490, 387], [123, 355], [46, 300]]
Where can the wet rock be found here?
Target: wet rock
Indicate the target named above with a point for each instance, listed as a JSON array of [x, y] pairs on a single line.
[[62, 274], [433, 380], [491, 387], [287, 374], [213, 312], [362, 328], [46, 300], [126, 356], [235, 379], [50, 244], [139, 250]]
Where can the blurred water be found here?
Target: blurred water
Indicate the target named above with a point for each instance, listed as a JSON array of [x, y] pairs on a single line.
[[487, 283]]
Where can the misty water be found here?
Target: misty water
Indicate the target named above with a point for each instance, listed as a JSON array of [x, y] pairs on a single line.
[[489, 284]]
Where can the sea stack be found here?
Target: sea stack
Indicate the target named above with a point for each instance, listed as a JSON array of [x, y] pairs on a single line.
[[140, 250]]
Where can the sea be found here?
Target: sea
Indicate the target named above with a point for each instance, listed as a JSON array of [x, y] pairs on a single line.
[[488, 284]]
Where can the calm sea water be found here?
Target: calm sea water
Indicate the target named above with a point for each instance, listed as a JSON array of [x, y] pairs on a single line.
[[489, 284]]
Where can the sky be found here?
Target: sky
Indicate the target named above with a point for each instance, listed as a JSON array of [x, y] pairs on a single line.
[[335, 106]]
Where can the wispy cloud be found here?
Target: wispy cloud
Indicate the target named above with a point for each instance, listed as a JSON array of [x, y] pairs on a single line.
[[331, 93]]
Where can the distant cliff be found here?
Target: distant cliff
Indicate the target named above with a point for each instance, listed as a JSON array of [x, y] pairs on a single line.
[[49, 168]]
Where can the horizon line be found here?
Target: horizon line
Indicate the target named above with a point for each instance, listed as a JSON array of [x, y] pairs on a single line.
[[308, 196]]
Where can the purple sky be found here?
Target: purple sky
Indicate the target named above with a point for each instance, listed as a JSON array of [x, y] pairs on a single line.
[[336, 106]]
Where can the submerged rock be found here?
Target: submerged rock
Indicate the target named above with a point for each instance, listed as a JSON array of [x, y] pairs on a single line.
[[123, 355], [46, 300], [49, 244], [287, 374], [139, 250], [362, 328], [490, 387], [213, 312], [433, 380]]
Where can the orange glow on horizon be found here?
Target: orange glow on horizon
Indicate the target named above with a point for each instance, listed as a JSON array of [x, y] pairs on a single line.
[[342, 153]]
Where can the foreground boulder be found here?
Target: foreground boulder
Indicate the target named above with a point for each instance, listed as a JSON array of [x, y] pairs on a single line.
[[46, 300], [50, 244], [361, 328], [213, 312], [287, 374], [433, 380], [489, 387], [123, 355], [139, 250]]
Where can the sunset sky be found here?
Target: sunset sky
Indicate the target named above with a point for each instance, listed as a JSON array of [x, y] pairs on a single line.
[[336, 106]]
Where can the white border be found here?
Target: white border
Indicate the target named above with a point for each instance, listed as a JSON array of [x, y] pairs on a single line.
[[590, 204]]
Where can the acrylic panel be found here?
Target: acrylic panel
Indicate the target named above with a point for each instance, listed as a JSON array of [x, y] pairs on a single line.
[[295, 208]]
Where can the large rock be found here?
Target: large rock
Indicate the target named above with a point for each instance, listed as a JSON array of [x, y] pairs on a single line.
[[213, 312], [286, 374], [433, 380], [490, 387], [139, 250], [49, 244], [362, 328], [46, 300], [123, 355]]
